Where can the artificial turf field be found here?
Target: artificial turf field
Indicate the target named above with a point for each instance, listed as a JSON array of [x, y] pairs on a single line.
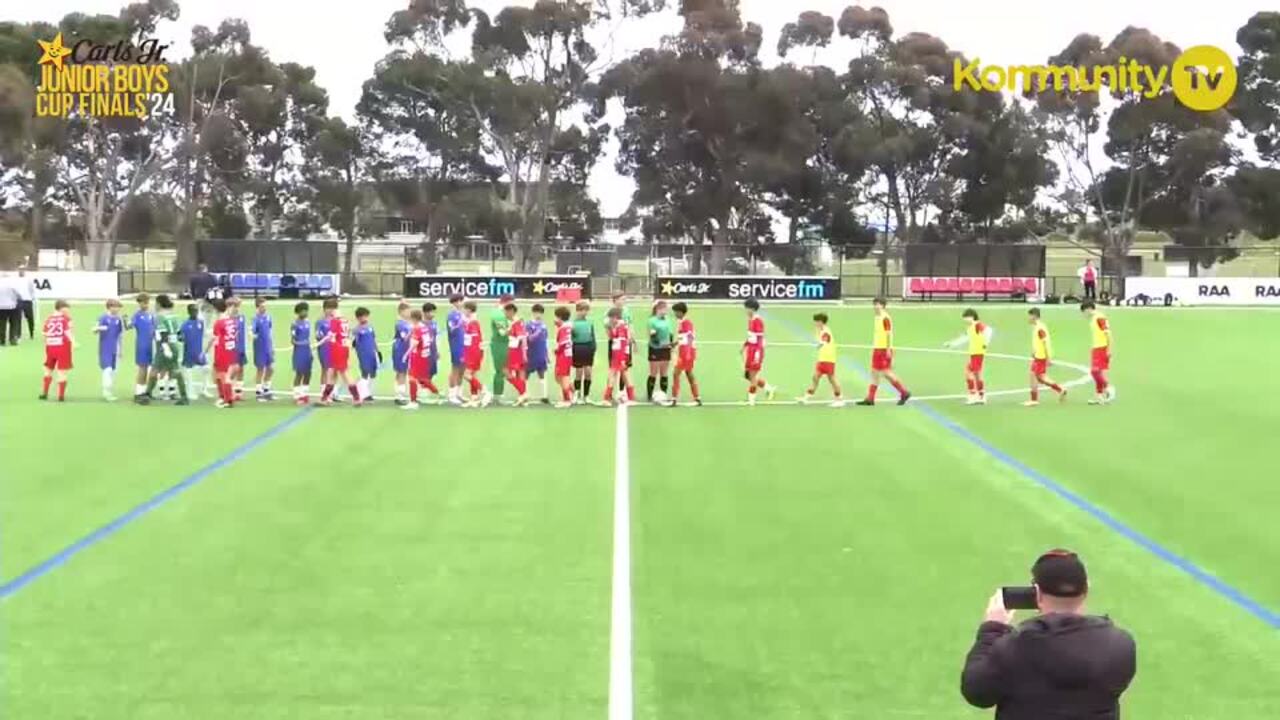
[[785, 561]]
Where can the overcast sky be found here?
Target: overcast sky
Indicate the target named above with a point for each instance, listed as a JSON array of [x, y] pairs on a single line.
[[343, 39]]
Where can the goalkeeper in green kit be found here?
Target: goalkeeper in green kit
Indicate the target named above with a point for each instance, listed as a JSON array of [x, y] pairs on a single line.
[[168, 355], [498, 327]]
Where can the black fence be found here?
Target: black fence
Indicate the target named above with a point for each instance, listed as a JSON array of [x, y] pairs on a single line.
[[268, 256], [391, 285]]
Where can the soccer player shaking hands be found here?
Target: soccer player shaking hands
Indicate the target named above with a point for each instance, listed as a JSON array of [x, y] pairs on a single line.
[[620, 343], [1100, 356], [826, 366], [977, 336], [1041, 358]]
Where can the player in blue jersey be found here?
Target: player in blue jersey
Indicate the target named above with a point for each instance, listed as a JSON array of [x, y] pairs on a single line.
[[242, 347], [536, 329], [456, 327], [264, 354], [365, 342], [300, 336], [400, 353], [433, 332], [110, 330], [143, 324], [194, 362]]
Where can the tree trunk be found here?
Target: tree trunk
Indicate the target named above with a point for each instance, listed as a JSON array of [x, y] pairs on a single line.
[[37, 222], [695, 254], [719, 249], [349, 257]]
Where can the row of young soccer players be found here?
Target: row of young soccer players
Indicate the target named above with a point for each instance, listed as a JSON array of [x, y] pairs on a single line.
[[977, 338], [166, 352]]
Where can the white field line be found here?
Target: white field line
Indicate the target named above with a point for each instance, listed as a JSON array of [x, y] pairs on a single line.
[[621, 697]]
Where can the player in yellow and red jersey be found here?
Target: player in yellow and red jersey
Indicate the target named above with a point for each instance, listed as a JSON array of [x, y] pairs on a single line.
[[882, 356], [753, 354], [1041, 354], [1100, 362], [977, 336], [826, 366], [57, 349]]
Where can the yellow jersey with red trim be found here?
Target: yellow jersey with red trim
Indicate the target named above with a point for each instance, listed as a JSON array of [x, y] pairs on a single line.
[[1099, 326], [826, 346], [882, 330], [1041, 343], [977, 338]]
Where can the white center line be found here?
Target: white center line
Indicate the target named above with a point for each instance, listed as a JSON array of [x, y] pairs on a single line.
[[621, 702]]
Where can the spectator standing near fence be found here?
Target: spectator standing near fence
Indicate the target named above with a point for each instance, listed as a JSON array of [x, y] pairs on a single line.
[[10, 324], [1089, 279], [25, 285]]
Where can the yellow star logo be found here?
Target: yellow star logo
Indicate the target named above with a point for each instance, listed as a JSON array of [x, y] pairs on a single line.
[[54, 51], [668, 288], [539, 287]]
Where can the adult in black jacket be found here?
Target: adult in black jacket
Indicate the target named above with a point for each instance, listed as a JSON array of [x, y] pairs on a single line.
[[1061, 664]]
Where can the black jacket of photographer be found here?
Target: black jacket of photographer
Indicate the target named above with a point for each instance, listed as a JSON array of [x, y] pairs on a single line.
[[1051, 667]]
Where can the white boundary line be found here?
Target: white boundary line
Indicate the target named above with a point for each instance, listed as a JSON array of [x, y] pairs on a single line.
[[621, 694]]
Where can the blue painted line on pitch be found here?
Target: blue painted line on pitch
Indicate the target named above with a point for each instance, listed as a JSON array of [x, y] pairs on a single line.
[[1239, 599], [66, 554]]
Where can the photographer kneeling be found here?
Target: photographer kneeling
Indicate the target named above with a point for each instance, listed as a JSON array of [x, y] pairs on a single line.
[[1060, 664]]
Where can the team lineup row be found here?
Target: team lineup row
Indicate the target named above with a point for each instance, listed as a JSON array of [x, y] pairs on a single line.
[[170, 355]]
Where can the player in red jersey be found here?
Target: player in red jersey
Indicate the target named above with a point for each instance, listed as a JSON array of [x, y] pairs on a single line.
[[473, 356], [564, 357], [226, 355], [418, 357], [517, 353], [619, 358], [753, 354], [57, 349], [686, 354], [339, 340]]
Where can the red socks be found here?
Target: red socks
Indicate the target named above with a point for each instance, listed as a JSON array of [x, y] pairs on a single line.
[[972, 385], [328, 392], [631, 393], [871, 392], [355, 393], [982, 387], [48, 380], [413, 391], [1099, 381], [898, 386], [566, 394], [62, 390], [475, 386], [431, 386]]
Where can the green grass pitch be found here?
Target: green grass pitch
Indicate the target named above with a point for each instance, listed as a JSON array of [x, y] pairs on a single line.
[[786, 562]]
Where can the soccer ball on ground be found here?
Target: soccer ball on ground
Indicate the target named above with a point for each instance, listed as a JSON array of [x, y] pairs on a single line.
[[659, 397]]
